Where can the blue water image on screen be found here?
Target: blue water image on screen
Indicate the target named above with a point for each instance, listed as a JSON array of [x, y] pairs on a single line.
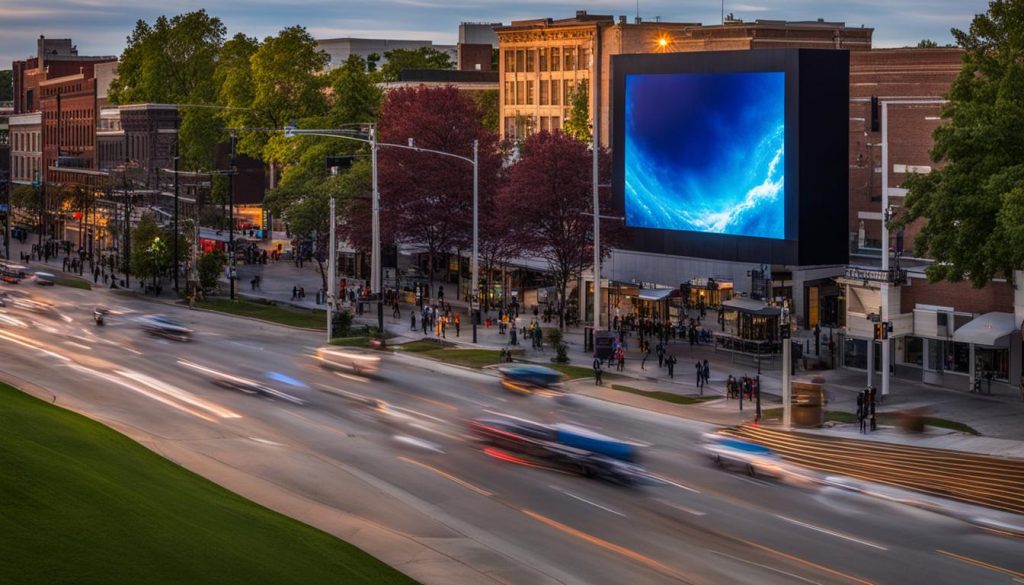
[[705, 152]]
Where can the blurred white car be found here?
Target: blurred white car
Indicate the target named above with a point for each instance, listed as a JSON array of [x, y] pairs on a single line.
[[164, 326], [750, 457], [355, 359]]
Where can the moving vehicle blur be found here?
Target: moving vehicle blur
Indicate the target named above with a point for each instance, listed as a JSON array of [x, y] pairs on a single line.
[[45, 279], [355, 359], [99, 315], [753, 458], [12, 273], [528, 378], [565, 447], [164, 326], [247, 385]]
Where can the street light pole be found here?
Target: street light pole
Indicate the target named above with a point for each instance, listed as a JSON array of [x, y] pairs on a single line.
[[175, 203], [231, 218], [332, 276], [476, 236], [376, 280]]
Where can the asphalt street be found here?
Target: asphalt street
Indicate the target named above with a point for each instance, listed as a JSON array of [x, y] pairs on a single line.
[[387, 463]]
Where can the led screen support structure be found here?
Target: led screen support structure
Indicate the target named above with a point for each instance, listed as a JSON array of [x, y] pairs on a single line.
[[734, 155]]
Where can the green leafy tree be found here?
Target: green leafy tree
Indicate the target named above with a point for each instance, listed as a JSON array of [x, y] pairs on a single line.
[[974, 203], [209, 267], [6, 85], [286, 86], [421, 58], [487, 103], [371, 62], [25, 198], [356, 97], [577, 124], [148, 257], [927, 44]]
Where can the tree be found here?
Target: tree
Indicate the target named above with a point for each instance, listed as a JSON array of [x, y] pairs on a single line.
[[148, 252], [550, 191], [487, 104], [577, 125], [25, 198], [356, 97], [399, 60], [286, 86], [6, 85], [209, 267], [974, 204], [426, 198], [173, 62], [927, 44]]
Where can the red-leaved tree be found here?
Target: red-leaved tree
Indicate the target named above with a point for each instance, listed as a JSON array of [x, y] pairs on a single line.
[[427, 199], [550, 190]]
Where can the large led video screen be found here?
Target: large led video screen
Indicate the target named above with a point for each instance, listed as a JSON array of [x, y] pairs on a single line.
[[740, 156], [705, 152]]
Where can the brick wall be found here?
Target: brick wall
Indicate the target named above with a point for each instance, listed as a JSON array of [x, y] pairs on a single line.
[[997, 296]]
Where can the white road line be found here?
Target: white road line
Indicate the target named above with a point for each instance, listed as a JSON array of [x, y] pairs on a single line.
[[672, 483], [750, 480], [682, 508], [780, 571], [78, 345], [266, 442], [351, 377], [586, 501], [831, 532]]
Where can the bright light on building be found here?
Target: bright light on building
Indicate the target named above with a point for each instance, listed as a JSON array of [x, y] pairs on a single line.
[[662, 42]]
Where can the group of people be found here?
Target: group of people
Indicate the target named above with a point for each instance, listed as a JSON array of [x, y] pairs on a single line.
[[437, 318], [743, 388]]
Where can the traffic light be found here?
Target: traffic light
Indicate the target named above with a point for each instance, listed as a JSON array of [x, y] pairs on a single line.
[[877, 331], [882, 330]]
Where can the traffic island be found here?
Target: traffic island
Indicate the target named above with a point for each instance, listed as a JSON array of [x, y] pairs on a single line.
[[84, 504], [267, 311]]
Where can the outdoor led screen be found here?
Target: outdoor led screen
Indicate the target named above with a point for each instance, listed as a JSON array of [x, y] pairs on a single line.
[[705, 152], [733, 155]]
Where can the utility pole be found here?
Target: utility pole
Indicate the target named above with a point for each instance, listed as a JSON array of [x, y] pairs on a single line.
[[176, 127], [332, 277], [376, 280], [596, 147], [7, 222], [476, 237], [231, 219], [787, 372]]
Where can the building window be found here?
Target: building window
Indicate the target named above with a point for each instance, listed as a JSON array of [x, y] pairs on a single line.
[[913, 350], [544, 93], [531, 58], [570, 58], [556, 59], [529, 93], [510, 92], [542, 62], [555, 125], [566, 90], [556, 91], [510, 62], [584, 59], [520, 60], [520, 92], [958, 357], [994, 363], [510, 126], [855, 353]]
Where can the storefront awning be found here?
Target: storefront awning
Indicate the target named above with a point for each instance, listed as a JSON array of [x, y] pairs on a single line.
[[751, 307], [655, 294], [990, 329]]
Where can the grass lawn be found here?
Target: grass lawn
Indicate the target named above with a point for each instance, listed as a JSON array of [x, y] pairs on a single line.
[[315, 319], [471, 358], [666, 396], [422, 345], [83, 504], [74, 282], [884, 418], [357, 341]]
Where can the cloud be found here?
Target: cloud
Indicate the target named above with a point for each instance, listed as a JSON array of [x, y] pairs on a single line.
[[99, 27]]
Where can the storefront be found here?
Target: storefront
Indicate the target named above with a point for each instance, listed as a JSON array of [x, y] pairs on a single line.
[[748, 326]]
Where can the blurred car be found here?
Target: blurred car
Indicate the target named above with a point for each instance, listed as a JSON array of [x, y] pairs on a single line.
[[753, 458], [12, 273], [528, 378], [164, 326], [355, 359], [45, 279]]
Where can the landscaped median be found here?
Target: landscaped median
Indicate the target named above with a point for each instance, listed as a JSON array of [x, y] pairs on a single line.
[[665, 396], [309, 319], [885, 419], [83, 504], [479, 358]]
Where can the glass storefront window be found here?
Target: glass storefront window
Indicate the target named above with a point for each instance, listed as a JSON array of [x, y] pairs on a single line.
[[855, 353], [913, 350], [996, 361], [958, 357]]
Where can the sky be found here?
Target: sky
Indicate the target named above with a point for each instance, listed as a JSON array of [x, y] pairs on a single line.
[[99, 27]]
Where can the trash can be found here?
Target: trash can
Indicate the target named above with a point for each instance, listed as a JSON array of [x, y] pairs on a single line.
[[808, 403]]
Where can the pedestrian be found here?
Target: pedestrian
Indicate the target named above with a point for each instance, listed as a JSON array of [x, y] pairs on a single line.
[[620, 355], [597, 371], [671, 360], [646, 354], [660, 350], [512, 334], [700, 375], [861, 412], [295, 292], [707, 375], [412, 320]]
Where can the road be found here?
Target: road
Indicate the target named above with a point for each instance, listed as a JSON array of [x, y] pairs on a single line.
[[408, 485]]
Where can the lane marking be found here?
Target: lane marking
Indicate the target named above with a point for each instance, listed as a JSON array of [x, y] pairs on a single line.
[[682, 508], [797, 559], [780, 571], [78, 345], [448, 476], [267, 442], [451, 407], [831, 532], [751, 480], [144, 392], [586, 501], [352, 377], [982, 564], [610, 546], [180, 394], [674, 483]]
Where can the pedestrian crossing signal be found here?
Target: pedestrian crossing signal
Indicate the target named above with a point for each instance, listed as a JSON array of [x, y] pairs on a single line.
[[881, 331]]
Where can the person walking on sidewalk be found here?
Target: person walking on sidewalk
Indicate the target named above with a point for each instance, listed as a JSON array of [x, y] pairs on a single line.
[[646, 354], [458, 326], [597, 371], [706, 373], [671, 361], [620, 356], [660, 350], [700, 376], [412, 319]]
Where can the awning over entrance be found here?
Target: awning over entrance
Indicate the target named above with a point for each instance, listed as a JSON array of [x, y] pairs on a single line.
[[990, 330], [751, 307], [655, 294]]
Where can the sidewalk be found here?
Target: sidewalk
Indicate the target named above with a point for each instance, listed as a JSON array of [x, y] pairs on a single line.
[[992, 416]]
